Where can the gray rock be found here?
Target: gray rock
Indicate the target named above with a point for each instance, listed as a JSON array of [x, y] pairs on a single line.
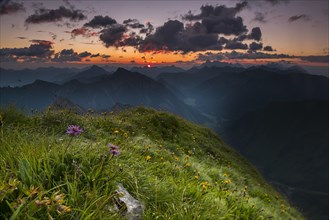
[[127, 205]]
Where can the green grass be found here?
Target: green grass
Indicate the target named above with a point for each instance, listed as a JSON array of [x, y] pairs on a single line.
[[191, 173]]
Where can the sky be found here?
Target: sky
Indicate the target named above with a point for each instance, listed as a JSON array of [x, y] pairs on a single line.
[[182, 33]]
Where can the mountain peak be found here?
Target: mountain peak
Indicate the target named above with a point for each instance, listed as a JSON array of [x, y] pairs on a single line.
[[122, 70], [96, 68]]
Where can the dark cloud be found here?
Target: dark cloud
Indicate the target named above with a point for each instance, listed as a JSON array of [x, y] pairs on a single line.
[[316, 59], [42, 15], [100, 21], [275, 2], [10, 7], [94, 55], [220, 19], [299, 17], [69, 55], [147, 30], [39, 50], [255, 46], [84, 54], [132, 39], [268, 48], [234, 45], [53, 35], [22, 38], [272, 2], [236, 55], [84, 32], [260, 17], [66, 55], [255, 34], [133, 23], [173, 36], [113, 35]]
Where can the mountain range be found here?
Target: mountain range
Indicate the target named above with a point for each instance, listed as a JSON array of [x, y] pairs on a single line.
[[276, 117]]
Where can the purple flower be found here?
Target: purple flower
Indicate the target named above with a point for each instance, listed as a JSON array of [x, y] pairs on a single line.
[[74, 130], [114, 150]]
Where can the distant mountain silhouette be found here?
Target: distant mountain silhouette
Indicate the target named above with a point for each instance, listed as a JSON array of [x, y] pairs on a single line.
[[89, 75], [153, 72], [231, 95], [122, 86], [289, 143], [16, 78], [188, 80]]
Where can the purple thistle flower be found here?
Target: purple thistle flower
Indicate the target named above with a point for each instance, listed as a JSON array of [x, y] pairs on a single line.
[[114, 150], [113, 147], [74, 130]]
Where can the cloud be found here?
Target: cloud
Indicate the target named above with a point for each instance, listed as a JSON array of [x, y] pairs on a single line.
[[85, 54], [133, 23], [255, 34], [220, 19], [94, 55], [260, 17], [84, 32], [100, 21], [113, 35], [22, 38], [69, 55], [255, 46], [234, 45], [174, 36], [237, 55], [299, 17], [275, 2], [10, 7], [147, 30], [268, 48], [202, 31], [316, 59], [42, 15], [272, 2], [66, 55], [40, 50]]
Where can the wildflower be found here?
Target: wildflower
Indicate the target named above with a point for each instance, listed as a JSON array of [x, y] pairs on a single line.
[[196, 177], [188, 164], [227, 181], [114, 150], [74, 130], [205, 185], [176, 159], [148, 158], [116, 132]]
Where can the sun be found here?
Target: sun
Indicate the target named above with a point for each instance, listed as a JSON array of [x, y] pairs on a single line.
[[148, 66]]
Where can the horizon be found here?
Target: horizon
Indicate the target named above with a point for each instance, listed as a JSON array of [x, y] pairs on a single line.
[[184, 33]]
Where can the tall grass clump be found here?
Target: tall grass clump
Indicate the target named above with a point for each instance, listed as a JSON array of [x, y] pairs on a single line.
[[60, 165]]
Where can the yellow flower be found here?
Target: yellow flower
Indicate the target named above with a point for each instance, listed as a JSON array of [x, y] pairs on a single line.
[[225, 174], [196, 177], [176, 159], [205, 185], [148, 147], [187, 164], [148, 158], [116, 131], [227, 181]]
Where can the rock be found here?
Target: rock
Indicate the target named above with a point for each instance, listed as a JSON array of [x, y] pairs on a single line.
[[127, 205]]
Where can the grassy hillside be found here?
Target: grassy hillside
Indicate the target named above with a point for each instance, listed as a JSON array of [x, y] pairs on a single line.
[[177, 169]]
